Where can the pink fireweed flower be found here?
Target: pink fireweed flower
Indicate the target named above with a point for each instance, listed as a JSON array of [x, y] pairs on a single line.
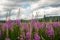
[[38, 23], [26, 27], [7, 39], [18, 22], [32, 22], [5, 26], [36, 37], [35, 26], [28, 36], [10, 23], [49, 31], [56, 24], [42, 26], [48, 26]]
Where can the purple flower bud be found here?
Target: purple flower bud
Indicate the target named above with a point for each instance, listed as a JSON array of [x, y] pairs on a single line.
[[26, 27], [36, 37], [42, 26], [5, 25], [48, 26], [18, 22], [56, 24], [10, 23], [28, 35], [50, 33], [32, 22], [37, 25]]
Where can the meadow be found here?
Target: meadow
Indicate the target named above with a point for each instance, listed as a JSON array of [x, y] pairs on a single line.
[[33, 30]]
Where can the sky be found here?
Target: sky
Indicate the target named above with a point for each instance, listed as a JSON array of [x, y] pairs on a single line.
[[29, 8]]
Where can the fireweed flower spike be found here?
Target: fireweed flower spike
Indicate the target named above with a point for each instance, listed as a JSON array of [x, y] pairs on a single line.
[[35, 26], [49, 31], [48, 26], [18, 22], [28, 36], [10, 23], [42, 26], [26, 27], [56, 24], [38, 23], [36, 36], [6, 28], [32, 22], [5, 25]]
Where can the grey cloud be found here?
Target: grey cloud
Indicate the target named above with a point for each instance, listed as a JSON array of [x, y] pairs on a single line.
[[3, 16], [23, 0], [48, 3], [18, 3], [55, 5], [13, 4]]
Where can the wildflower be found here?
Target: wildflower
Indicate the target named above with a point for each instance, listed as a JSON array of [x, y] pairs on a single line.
[[5, 25], [10, 23], [26, 27], [48, 26], [37, 24], [49, 31], [32, 22], [28, 35], [42, 26], [36, 37], [18, 22], [56, 24]]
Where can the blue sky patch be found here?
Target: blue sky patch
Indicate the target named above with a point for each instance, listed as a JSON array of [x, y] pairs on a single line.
[[26, 5]]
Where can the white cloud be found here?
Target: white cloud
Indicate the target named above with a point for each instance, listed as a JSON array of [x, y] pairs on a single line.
[[42, 6], [50, 11]]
